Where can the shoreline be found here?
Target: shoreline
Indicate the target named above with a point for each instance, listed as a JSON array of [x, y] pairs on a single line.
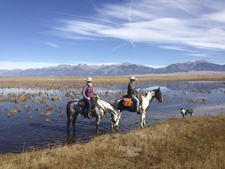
[[78, 82], [171, 143]]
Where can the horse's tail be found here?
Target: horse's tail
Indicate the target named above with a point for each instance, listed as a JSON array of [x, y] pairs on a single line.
[[67, 108], [68, 111]]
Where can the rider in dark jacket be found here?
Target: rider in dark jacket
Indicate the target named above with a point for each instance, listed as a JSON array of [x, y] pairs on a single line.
[[132, 91]]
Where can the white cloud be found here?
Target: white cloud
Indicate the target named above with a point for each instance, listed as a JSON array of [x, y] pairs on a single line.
[[161, 22], [218, 16], [34, 65], [24, 65], [155, 66]]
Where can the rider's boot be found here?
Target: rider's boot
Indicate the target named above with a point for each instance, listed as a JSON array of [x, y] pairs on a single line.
[[89, 115], [85, 113], [139, 111]]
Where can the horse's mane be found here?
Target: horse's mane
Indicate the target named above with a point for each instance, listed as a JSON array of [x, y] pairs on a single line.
[[105, 104]]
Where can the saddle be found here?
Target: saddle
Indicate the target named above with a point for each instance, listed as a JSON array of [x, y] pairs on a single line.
[[82, 104]]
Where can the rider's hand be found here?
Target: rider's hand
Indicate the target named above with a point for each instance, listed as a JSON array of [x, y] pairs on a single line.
[[88, 98]]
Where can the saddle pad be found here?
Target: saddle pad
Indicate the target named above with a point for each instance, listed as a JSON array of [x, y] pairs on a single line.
[[127, 101], [81, 103]]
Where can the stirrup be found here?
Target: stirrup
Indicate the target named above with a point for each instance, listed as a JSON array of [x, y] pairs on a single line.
[[139, 111], [89, 115]]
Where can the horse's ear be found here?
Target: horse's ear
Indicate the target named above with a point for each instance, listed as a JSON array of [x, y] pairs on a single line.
[[159, 88]]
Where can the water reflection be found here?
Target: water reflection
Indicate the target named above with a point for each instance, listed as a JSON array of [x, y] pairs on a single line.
[[31, 128]]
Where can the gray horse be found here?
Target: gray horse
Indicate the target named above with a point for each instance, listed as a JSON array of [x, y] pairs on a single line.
[[73, 109]]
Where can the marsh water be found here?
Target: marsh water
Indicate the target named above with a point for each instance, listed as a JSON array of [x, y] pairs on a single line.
[[32, 126]]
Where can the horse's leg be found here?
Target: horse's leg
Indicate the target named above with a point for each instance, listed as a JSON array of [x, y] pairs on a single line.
[[143, 119], [112, 127], [74, 120], [117, 121], [97, 124], [69, 119], [68, 125]]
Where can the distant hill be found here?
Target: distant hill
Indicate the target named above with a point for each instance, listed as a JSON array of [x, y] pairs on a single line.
[[112, 70]]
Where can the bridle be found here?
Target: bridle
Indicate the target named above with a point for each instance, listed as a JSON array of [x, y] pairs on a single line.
[[151, 98]]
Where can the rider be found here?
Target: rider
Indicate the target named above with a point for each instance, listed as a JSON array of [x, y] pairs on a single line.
[[87, 93], [131, 91]]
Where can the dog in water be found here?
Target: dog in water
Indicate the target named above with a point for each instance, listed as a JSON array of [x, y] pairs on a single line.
[[186, 112]]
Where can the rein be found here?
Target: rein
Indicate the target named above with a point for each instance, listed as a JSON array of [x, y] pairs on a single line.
[[149, 99]]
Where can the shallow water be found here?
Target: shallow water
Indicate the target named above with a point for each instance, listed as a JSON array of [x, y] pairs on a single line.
[[27, 129]]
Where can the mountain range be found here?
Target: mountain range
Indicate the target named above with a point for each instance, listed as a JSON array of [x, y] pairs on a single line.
[[112, 70]]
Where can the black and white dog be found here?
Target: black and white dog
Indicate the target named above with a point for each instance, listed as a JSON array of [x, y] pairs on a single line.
[[186, 112]]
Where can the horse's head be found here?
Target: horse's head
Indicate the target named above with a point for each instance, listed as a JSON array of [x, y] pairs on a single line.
[[158, 95], [94, 99]]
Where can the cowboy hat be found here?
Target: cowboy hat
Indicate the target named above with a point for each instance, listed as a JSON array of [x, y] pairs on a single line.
[[88, 79], [132, 78]]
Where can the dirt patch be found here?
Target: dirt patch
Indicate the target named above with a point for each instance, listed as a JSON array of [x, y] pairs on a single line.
[[130, 151]]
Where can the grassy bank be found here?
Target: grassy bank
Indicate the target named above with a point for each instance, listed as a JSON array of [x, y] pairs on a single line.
[[77, 82], [196, 142]]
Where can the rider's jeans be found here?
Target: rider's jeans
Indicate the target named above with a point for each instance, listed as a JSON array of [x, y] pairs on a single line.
[[88, 104], [137, 101]]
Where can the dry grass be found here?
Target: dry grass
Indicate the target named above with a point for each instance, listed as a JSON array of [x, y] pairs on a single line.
[[196, 142], [77, 82]]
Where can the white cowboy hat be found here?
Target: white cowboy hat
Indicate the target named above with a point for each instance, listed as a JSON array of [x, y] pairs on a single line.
[[132, 78], [88, 79]]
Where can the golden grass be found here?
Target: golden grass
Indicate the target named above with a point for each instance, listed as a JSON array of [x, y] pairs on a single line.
[[196, 142], [77, 82]]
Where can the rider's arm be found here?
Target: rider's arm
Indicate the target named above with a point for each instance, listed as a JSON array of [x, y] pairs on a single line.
[[133, 90], [84, 92], [94, 92]]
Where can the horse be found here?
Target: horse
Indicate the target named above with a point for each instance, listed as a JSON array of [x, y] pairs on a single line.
[[73, 109], [145, 104]]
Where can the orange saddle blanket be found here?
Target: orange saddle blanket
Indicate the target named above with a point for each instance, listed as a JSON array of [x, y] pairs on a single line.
[[127, 101]]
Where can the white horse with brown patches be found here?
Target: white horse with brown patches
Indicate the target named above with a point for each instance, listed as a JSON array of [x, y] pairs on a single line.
[[145, 101]]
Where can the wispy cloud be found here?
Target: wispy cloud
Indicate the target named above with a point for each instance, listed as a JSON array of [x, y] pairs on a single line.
[[199, 54], [157, 22], [119, 46], [178, 48], [52, 44]]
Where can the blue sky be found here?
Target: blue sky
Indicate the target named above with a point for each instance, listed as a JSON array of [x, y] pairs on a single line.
[[40, 33]]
